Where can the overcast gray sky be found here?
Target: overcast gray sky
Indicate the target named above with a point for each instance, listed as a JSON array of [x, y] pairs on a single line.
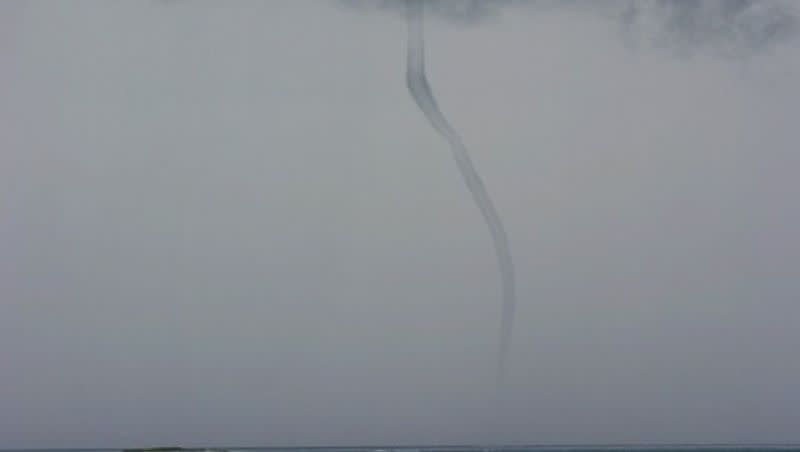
[[228, 223]]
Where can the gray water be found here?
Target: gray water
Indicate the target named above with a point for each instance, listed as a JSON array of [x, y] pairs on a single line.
[[534, 448]]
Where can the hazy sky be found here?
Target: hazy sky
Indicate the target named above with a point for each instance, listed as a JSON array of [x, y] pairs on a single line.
[[228, 223]]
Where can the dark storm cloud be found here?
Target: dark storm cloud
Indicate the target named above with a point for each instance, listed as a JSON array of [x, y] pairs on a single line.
[[717, 26], [729, 26]]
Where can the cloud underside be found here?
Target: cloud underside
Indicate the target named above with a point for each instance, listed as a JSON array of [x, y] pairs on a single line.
[[728, 27]]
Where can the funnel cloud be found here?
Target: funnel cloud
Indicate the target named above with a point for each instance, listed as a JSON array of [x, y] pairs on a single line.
[[421, 91]]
